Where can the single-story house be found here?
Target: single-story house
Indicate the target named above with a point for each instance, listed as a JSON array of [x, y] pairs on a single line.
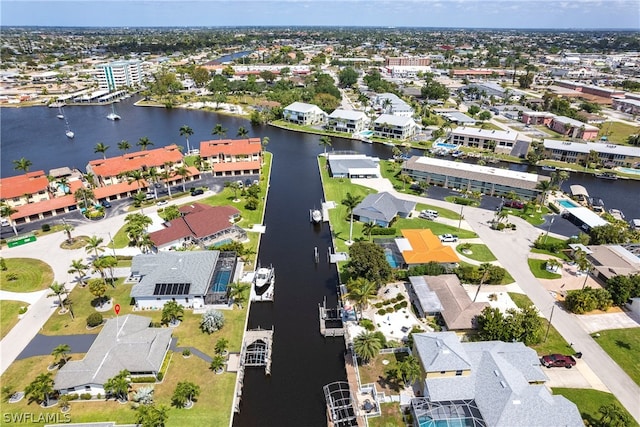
[[444, 295], [125, 342], [485, 383], [191, 278], [304, 114], [353, 166], [611, 260], [418, 246], [382, 208], [199, 224]]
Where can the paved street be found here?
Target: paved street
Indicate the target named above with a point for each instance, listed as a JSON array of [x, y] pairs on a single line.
[[512, 250]]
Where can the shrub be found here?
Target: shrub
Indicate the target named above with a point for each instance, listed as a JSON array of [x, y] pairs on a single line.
[[403, 304], [588, 299], [378, 304], [397, 307], [186, 352], [144, 395], [143, 379], [367, 324], [85, 396], [3, 264], [22, 310], [73, 396], [99, 396], [160, 376], [554, 208], [380, 231], [381, 312], [94, 319], [501, 226], [389, 310], [212, 321], [462, 201], [46, 227]]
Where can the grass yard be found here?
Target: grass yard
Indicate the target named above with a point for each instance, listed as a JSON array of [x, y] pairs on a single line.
[[623, 345], [9, 311], [532, 217], [375, 372], [479, 252], [589, 401], [537, 267], [617, 132], [554, 343], [29, 275], [390, 416], [507, 279], [442, 212]]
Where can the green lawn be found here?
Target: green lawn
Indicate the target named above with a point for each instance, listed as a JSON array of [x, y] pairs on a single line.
[[617, 132], [554, 343], [532, 217], [479, 252], [390, 416], [442, 212], [589, 401], [29, 275], [9, 311], [507, 279], [623, 345], [537, 267]]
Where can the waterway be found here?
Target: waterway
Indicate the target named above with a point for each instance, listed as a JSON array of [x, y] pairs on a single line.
[[303, 361]]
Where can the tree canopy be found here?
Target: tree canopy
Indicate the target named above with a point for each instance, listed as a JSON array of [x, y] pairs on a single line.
[[367, 260]]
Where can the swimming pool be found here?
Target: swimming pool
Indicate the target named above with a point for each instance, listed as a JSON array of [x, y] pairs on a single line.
[[221, 280], [391, 259], [445, 145], [222, 243], [366, 133], [629, 171], [567, 203]]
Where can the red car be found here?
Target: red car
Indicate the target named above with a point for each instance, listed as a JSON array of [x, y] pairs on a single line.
[[558, 360], [517, 204]]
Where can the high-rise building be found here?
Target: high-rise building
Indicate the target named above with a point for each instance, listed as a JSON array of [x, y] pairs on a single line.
[[118, 74], [410, 61]]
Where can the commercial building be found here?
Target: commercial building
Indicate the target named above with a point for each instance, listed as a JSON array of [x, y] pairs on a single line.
[[408, 61], [232, 157], [499, 141], [115, 75], [610, 155], [469, 177]]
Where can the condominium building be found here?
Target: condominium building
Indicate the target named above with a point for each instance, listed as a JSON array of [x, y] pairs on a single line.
[[349, 121], [578, 152], [304, 114], [408, 61], [232, 157], [115, 75], [396, 127], [499, 141]]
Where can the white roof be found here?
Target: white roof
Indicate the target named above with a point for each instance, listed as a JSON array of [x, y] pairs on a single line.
[[469, 167], [347, 114], [392, 120], [302, 107], [504, 135], [574, 122], [403, 244], [586, 147], [587, 216]]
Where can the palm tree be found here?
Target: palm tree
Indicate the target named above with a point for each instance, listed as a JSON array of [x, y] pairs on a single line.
[[5, 212], [152, 175], [144, 143], [265, 142], [57, 289], [485, 268], [171, 312], [234, 186], [404, 178], [351, 202], [60, 353], [101, 148], [166, 175], [325, 141], [186, 131], [221, 346], [184, 394], [136, 176], [410, 369], [118, 386], [183, 172], [22, 164], [40, 388], [94, 243], [217, 364], [219, 130], [361, 291], [242, 132], [367, 345], [79, 268], [544, 187], [237, 292], [124, 145], [68, 228], [368, 227], [562, 177]]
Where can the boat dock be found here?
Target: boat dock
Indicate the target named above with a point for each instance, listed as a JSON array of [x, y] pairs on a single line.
[[256, 351], [266, 296], [331, 324], [325, 210]]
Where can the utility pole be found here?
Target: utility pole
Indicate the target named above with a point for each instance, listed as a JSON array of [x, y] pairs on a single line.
[[553, 217], [549, 324], [460, 221]]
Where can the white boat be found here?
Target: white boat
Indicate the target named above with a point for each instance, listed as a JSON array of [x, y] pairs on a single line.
[[316, 216], [112, 115], [68, 131], [264, 277], [616, 213], [549, 168], [60, 113]]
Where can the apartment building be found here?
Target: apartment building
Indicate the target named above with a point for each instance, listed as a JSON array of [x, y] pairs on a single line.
[[573, 128], [395, 127], [349, 121], [229, 157], [499, 141], [578, 152], [116, 75], [304, 114]]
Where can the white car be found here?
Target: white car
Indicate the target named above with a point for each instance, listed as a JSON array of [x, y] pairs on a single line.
[[162, 203], [448, 238]]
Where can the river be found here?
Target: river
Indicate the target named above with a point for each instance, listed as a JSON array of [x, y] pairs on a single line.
[[303, 361]]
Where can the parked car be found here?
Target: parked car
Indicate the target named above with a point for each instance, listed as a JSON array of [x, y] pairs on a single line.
[[425, 215], [558, 360], [149, 196], [106, 204], [517, 204], [448, 238], [197, 191]]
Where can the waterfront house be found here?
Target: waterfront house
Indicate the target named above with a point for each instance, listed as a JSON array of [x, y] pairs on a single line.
[[304, 114], [232, 157], [390, 103], [444, 296], [498, 141], [200, 225], [394, 127], [469, 177], [421, 246], [126, 342], [609, 155], [348, 121], [611, 260], [382, 208], [492, 383], [191, 278], [353, 166]]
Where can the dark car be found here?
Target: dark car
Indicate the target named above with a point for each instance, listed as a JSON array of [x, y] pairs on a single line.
[[197, 191], [558, 360], [517, 204], [106, 204]]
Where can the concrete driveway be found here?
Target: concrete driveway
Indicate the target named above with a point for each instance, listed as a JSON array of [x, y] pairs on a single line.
[[580, 376]]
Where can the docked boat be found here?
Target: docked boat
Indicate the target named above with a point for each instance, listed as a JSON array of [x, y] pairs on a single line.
[[617, 214], [549, 168], [607, 175], [264, 277], [635, 224], [316, 216]]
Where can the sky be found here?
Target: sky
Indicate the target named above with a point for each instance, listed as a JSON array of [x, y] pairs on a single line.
[[556, 14]]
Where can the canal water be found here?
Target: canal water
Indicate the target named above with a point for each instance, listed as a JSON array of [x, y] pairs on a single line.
[[303, 361]]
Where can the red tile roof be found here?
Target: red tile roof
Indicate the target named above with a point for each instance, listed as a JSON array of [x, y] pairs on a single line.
[[121, 188], [236, 166], [43, 206], [135, 161], [230, 147], [18, 186], [198, 221]]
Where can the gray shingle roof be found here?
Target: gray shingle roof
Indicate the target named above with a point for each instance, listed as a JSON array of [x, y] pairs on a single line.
[[195, 268], [383, 206], [124, 343], [499, 383]]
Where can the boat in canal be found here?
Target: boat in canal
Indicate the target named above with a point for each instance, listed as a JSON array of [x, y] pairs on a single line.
[[264, 277], [113, 115], [607, 175], [316, 216]]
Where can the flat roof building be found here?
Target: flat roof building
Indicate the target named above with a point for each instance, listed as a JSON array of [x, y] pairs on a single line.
[[578, 152], [499, 141]]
